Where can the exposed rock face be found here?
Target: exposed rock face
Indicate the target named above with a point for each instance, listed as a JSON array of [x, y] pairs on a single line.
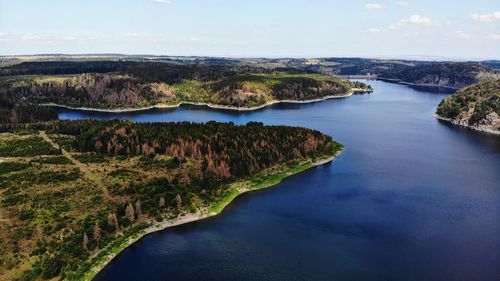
[[476, 107], [491, 123]]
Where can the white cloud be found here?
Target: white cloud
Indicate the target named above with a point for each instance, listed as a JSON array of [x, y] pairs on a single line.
[[461, 34], [414, 19], [398, 24], [403, 4], [374, 30], [70, 37], [373, 6], [30, 36], [162, 1], [132, 34], [495, 36], [486, 17], [417, 19]]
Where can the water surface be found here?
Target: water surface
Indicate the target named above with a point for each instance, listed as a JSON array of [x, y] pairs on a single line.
[[411, 198]]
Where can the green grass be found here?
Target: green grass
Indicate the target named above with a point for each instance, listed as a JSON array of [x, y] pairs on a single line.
[[228, 196]]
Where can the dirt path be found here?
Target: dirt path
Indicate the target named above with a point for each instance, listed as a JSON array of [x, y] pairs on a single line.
[[89, 174]]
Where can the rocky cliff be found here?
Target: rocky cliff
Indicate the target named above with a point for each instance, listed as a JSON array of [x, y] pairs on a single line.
[[476, 107]]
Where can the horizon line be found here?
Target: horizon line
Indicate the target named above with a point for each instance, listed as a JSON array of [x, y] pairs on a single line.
[[379, 57]]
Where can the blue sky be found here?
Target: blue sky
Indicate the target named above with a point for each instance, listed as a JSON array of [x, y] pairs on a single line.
[[258, 28]]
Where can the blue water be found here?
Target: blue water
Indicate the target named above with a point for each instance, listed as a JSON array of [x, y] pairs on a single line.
[[411, 198]]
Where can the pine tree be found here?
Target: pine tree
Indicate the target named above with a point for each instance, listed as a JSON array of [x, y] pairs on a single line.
[[85, 243], [129, 212], [113, 221], [97, 231], [178, 201], [138, 210]]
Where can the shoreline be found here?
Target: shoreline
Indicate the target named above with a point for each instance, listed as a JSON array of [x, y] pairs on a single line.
[[492, 132], [198, 216], [401, 82], [210, 105]]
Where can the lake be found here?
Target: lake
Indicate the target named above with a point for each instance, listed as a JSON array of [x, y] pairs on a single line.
[[411, 198]]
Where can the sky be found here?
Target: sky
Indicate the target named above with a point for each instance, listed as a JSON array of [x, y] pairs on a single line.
[[452, 29]]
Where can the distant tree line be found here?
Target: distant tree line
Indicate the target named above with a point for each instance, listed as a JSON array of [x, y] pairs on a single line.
[[147, 71], [448, 74], [65, 67]]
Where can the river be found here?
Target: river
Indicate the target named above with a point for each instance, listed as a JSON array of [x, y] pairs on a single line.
[[411, 198]]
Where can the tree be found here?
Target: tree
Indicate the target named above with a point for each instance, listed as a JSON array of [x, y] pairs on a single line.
[[138, 209], [13, 117], [50, 265], [97, 231], [178, 201], [85, 243], [129, 212], [196, 203], [113, 221], [223, 170]]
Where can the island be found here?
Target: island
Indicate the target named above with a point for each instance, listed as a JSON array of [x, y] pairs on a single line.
[[476, 107], [76, 193]]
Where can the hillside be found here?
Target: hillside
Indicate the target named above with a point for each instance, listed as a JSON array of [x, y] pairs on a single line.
[[74, 192], [452, 75], [476, 107], [166, 85]]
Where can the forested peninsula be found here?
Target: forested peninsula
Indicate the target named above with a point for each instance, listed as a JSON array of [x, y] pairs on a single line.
[[75, 193], [143, 86], [476, 107]]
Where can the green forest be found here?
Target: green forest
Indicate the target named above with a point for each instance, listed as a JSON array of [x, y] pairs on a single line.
[[135, 89], [75, 190], [473, 104], [449, 74]]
